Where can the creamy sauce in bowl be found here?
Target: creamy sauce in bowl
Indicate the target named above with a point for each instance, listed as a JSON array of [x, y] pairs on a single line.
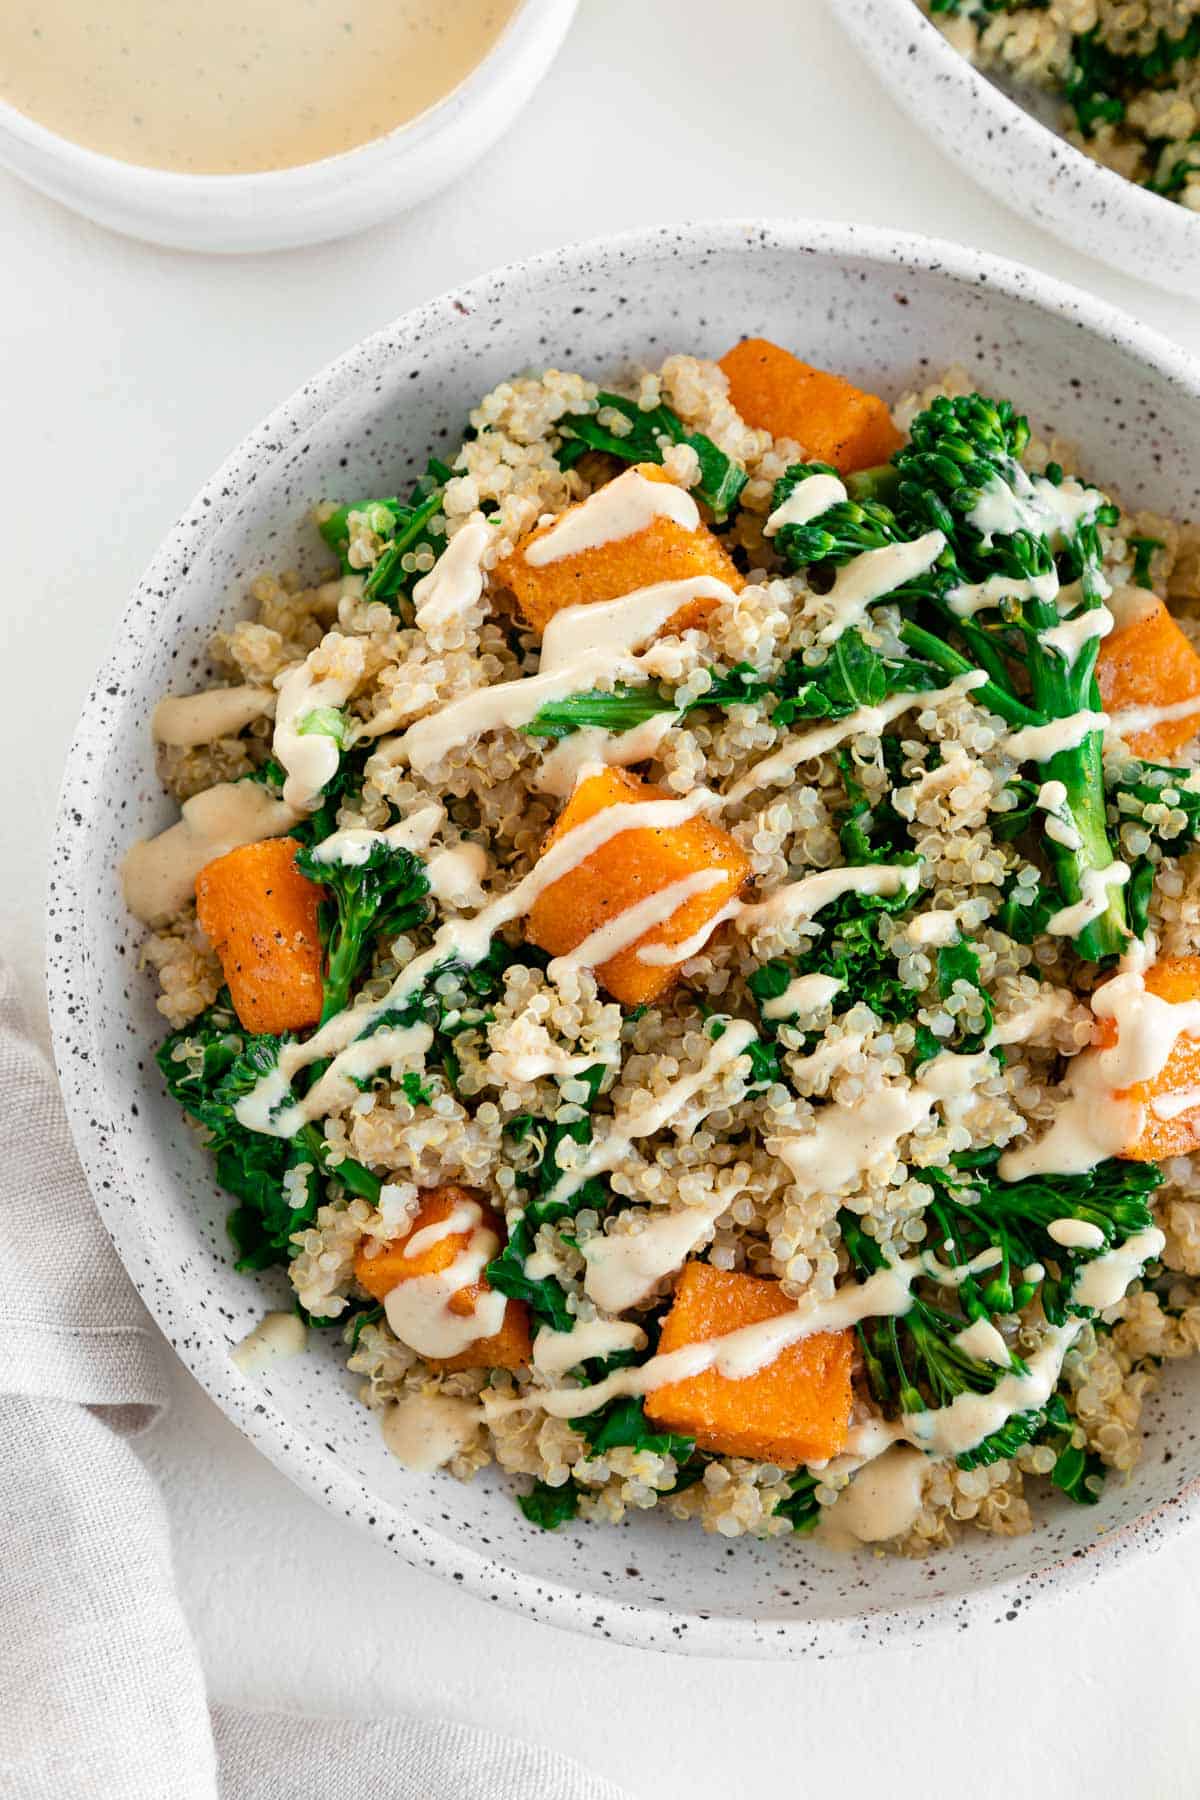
[[236, 87]]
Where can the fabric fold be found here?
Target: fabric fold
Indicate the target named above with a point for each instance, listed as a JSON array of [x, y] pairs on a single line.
[[101, 1691]]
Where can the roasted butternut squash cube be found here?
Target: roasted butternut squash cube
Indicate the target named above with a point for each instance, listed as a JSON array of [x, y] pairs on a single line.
[[1174, 978], [508, 1348], [629, 869], [1148, 661], [795, 1410], [832, 420], [259, 913], [663, 550]]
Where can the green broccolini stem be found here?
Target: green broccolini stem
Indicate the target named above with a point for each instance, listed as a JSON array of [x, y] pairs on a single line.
[[1059, 690], [997, 699], [352, 1175]]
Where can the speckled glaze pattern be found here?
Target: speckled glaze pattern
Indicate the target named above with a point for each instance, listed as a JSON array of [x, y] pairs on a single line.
[[888, 310], [1018, 158]]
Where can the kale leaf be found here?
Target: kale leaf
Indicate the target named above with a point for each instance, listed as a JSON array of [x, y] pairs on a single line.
[[404, 527], [649, 435], [549, 1506]]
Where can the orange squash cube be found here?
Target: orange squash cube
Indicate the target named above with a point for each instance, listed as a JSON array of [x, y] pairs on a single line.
[[831, 419], [259, 913], [1174, 978], [795, 1410], [1148, 661], [508, 1348], [661, 551], [628, 869]]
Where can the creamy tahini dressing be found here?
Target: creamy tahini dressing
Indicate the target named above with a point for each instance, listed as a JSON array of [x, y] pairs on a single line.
[[159, 874], [351, 848], [626, 928], [1095, 884], [845, 1143], [555, 1353], [803, 994], [968, 598], [969, 1418], [311, 758], [932, 929], [1050, 1006], [782, 764], [394, 1047], [593, 748], [276, 1337], [1090, 1121], [426, 1431], [882, 1501], [456, 874], [807, 500], [626, 1266], [1075, 1234], [813, 1071], [1132, 719], [803, 899], [1173, 1106], [236, 86], [615, 1136], [455, 583], [868, 578], [795, 901], [1027, 502], [185, 720], [581, 646], [460, 1219], [523, 1050], [1038, 743], [1073, 635], [418, 1308], [982, 1340], [1052, 799], [619, 509], [1101, 1283]]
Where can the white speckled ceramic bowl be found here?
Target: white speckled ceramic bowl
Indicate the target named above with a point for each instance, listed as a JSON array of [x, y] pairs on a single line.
[[887, 310], [1015, 156], [278, 209]]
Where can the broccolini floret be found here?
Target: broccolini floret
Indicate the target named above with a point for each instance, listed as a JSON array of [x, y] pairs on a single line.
[[961, 474], [382, 894], [916, 1360]]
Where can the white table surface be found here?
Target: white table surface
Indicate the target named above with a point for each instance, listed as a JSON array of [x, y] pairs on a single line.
[[129, 373]]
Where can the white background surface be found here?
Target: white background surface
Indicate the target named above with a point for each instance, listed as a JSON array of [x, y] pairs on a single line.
[[129, 373]]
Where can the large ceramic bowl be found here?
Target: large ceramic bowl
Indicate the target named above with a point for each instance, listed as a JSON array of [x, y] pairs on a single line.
[[1016, 156], [277, 209], [887, 310]]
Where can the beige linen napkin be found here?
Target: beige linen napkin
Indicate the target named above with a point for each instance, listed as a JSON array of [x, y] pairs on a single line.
[[101, 1692]]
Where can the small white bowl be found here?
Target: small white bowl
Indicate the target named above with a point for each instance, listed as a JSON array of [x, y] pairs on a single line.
[[889, 311], [281, 208], [1018, 158]]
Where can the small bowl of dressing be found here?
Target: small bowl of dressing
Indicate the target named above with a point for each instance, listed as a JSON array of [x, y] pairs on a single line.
[[244, 125]]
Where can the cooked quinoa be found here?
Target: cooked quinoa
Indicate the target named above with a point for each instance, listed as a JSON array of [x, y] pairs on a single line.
[[510, 1069], [1126, 74]]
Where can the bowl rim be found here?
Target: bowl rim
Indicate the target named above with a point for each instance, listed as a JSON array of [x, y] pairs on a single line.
[[1006, 119], [194, 195], [201, 1347]]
